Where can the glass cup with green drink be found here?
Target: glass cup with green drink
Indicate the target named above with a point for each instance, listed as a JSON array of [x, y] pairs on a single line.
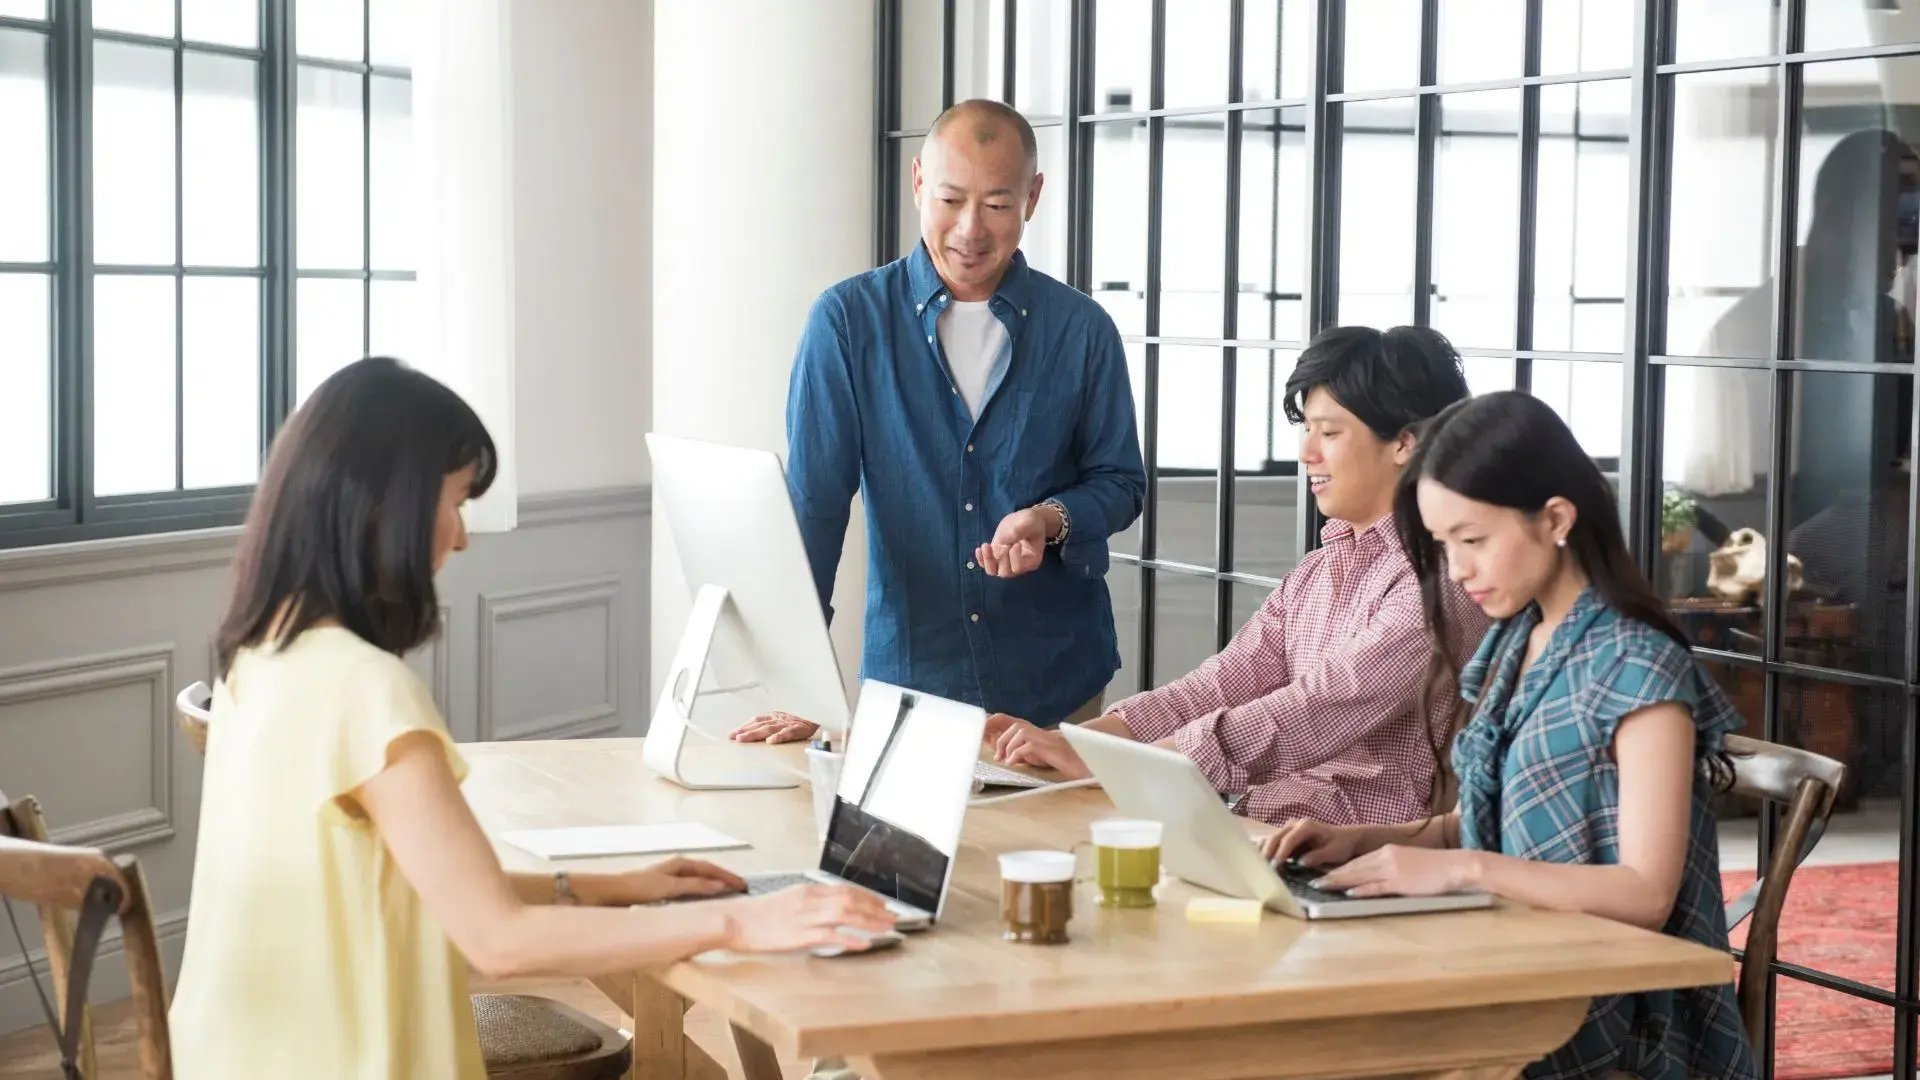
[[1126, 858]]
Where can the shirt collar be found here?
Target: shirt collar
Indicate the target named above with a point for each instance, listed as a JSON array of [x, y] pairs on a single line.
[[1336, 529], [1016, 287]]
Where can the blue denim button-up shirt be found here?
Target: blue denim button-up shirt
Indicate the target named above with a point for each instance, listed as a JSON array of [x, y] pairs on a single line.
[[873, 407]]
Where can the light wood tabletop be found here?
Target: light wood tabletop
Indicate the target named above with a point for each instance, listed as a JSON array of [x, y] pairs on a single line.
[[1134, 994]]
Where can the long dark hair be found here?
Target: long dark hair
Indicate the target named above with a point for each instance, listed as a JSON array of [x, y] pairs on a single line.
[[1511, 449], [342, 524]]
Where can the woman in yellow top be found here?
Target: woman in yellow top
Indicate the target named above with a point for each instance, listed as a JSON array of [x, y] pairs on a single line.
[[342, 886]]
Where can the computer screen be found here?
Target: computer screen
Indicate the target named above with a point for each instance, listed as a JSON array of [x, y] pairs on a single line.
[[903, 792]]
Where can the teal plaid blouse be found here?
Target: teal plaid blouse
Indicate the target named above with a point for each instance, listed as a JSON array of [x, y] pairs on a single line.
[[1537, 781]]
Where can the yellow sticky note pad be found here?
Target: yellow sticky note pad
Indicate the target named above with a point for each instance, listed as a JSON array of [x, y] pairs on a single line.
[[1222, 909]]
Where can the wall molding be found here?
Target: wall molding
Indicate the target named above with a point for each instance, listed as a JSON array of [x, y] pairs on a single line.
[[204, 549], [601, 594], [598, 504], [152, 666], [106, 560]]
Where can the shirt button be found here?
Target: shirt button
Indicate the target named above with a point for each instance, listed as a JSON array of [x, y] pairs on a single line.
[[929, 339], [969, 506], [1023, 313], [976, 616], [918, 308], [969, 448], [969, 564]]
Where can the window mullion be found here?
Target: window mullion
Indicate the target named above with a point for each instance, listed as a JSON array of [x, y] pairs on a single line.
[[74, 279], [276, 208]]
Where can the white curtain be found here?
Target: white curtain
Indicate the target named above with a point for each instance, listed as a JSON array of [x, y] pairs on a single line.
[[463, 154]]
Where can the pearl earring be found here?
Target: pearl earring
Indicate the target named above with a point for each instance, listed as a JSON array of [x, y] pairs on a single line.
[[1562, 542]]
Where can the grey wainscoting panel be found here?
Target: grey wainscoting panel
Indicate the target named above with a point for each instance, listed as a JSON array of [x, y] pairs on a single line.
[[544, 636], [99, 729], [549, 661]]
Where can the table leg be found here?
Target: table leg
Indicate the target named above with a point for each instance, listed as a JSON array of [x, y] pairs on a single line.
[[757, 1059], [660, 1050]]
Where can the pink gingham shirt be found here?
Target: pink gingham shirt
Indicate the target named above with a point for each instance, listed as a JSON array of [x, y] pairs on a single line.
[[1312, 710]]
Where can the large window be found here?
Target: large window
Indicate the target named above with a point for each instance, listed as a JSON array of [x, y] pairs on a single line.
[[1688, 225], [205, 212]]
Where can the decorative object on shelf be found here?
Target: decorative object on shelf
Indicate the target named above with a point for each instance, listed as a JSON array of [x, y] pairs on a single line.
[[1678, 516], [1738, 570]]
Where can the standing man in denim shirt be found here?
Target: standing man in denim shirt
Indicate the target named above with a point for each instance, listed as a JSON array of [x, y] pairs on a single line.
[[983, 410]]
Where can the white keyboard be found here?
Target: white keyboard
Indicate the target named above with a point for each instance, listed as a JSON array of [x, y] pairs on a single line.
[[987, 774]]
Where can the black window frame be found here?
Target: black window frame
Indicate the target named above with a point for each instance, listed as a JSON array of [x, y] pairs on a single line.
[[1642, 359], [75, 512]]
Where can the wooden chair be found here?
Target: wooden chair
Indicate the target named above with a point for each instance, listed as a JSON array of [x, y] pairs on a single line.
[[62, 882], [1806, 784], [194, 707], [521, 1037]]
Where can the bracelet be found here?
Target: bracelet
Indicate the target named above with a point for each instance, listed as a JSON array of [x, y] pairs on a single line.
[[563, 889], [1066, 523]]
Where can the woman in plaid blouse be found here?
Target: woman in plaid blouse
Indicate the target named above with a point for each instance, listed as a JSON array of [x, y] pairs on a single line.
[[1593, 742]]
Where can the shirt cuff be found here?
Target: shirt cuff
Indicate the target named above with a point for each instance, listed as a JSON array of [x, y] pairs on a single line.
[[1200, 741], [1085, 548]]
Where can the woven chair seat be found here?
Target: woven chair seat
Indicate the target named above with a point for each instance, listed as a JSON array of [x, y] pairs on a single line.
[[519, 1030]]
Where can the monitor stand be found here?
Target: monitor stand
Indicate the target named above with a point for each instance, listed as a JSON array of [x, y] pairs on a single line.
[[673, 716]]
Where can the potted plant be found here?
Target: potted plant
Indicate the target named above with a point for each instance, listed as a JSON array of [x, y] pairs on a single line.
[[1678, 515]]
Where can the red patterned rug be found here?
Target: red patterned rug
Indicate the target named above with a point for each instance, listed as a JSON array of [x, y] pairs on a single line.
[[1840, 920]]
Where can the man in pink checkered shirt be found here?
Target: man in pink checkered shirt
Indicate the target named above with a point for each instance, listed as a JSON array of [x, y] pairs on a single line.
[[1326, 704]]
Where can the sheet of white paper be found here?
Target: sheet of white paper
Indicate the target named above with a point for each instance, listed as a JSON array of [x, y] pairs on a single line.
[[589, 840]]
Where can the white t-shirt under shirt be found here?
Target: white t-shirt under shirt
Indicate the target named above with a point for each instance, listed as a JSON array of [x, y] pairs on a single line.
[[974, 339]]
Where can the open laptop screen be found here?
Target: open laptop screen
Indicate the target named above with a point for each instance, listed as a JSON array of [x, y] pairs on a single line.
[[902, 799]]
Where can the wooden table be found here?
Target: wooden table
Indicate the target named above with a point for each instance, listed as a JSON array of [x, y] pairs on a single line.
[[1136, 994]]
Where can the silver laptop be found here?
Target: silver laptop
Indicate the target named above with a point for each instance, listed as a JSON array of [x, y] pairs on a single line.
[[1204, 843], [901, 802]]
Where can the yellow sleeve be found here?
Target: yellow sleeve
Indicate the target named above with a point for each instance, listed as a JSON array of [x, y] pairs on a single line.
[[385, 702]]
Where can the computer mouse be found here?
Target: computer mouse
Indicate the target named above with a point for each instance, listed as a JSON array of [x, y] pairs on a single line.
[[886, 939]]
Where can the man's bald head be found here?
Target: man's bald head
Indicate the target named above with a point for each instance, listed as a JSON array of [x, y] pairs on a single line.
[[976, 182], [983, 122]]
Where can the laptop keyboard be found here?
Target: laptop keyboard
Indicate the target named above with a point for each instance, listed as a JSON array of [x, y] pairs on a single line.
[[762, 884], [995, 776], [1299, 881]]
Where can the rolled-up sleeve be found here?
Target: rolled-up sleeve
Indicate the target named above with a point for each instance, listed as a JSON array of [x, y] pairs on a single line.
[[1371, 679], [1252, 664]]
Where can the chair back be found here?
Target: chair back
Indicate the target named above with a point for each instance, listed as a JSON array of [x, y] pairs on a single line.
[[194, 706], [1805, 784], [75, 889]]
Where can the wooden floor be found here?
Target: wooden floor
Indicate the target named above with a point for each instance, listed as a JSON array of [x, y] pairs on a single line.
[[29, 1055]]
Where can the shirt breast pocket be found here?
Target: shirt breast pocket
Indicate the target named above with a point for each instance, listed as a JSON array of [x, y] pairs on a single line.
[[1040, 430]]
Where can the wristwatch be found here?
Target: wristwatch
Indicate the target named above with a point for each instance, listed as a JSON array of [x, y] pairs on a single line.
[[1066, 523]]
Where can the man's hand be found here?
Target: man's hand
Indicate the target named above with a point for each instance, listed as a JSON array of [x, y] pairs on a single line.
[[1017, 742], [1019, 543], [775, 727]]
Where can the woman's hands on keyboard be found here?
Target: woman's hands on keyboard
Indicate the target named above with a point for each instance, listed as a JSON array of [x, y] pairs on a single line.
[[1315, 843], [673, 879], [1403, 870], [805, 917]]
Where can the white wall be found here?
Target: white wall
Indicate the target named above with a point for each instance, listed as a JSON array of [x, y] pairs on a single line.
[[582, 84], [763, 187]]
